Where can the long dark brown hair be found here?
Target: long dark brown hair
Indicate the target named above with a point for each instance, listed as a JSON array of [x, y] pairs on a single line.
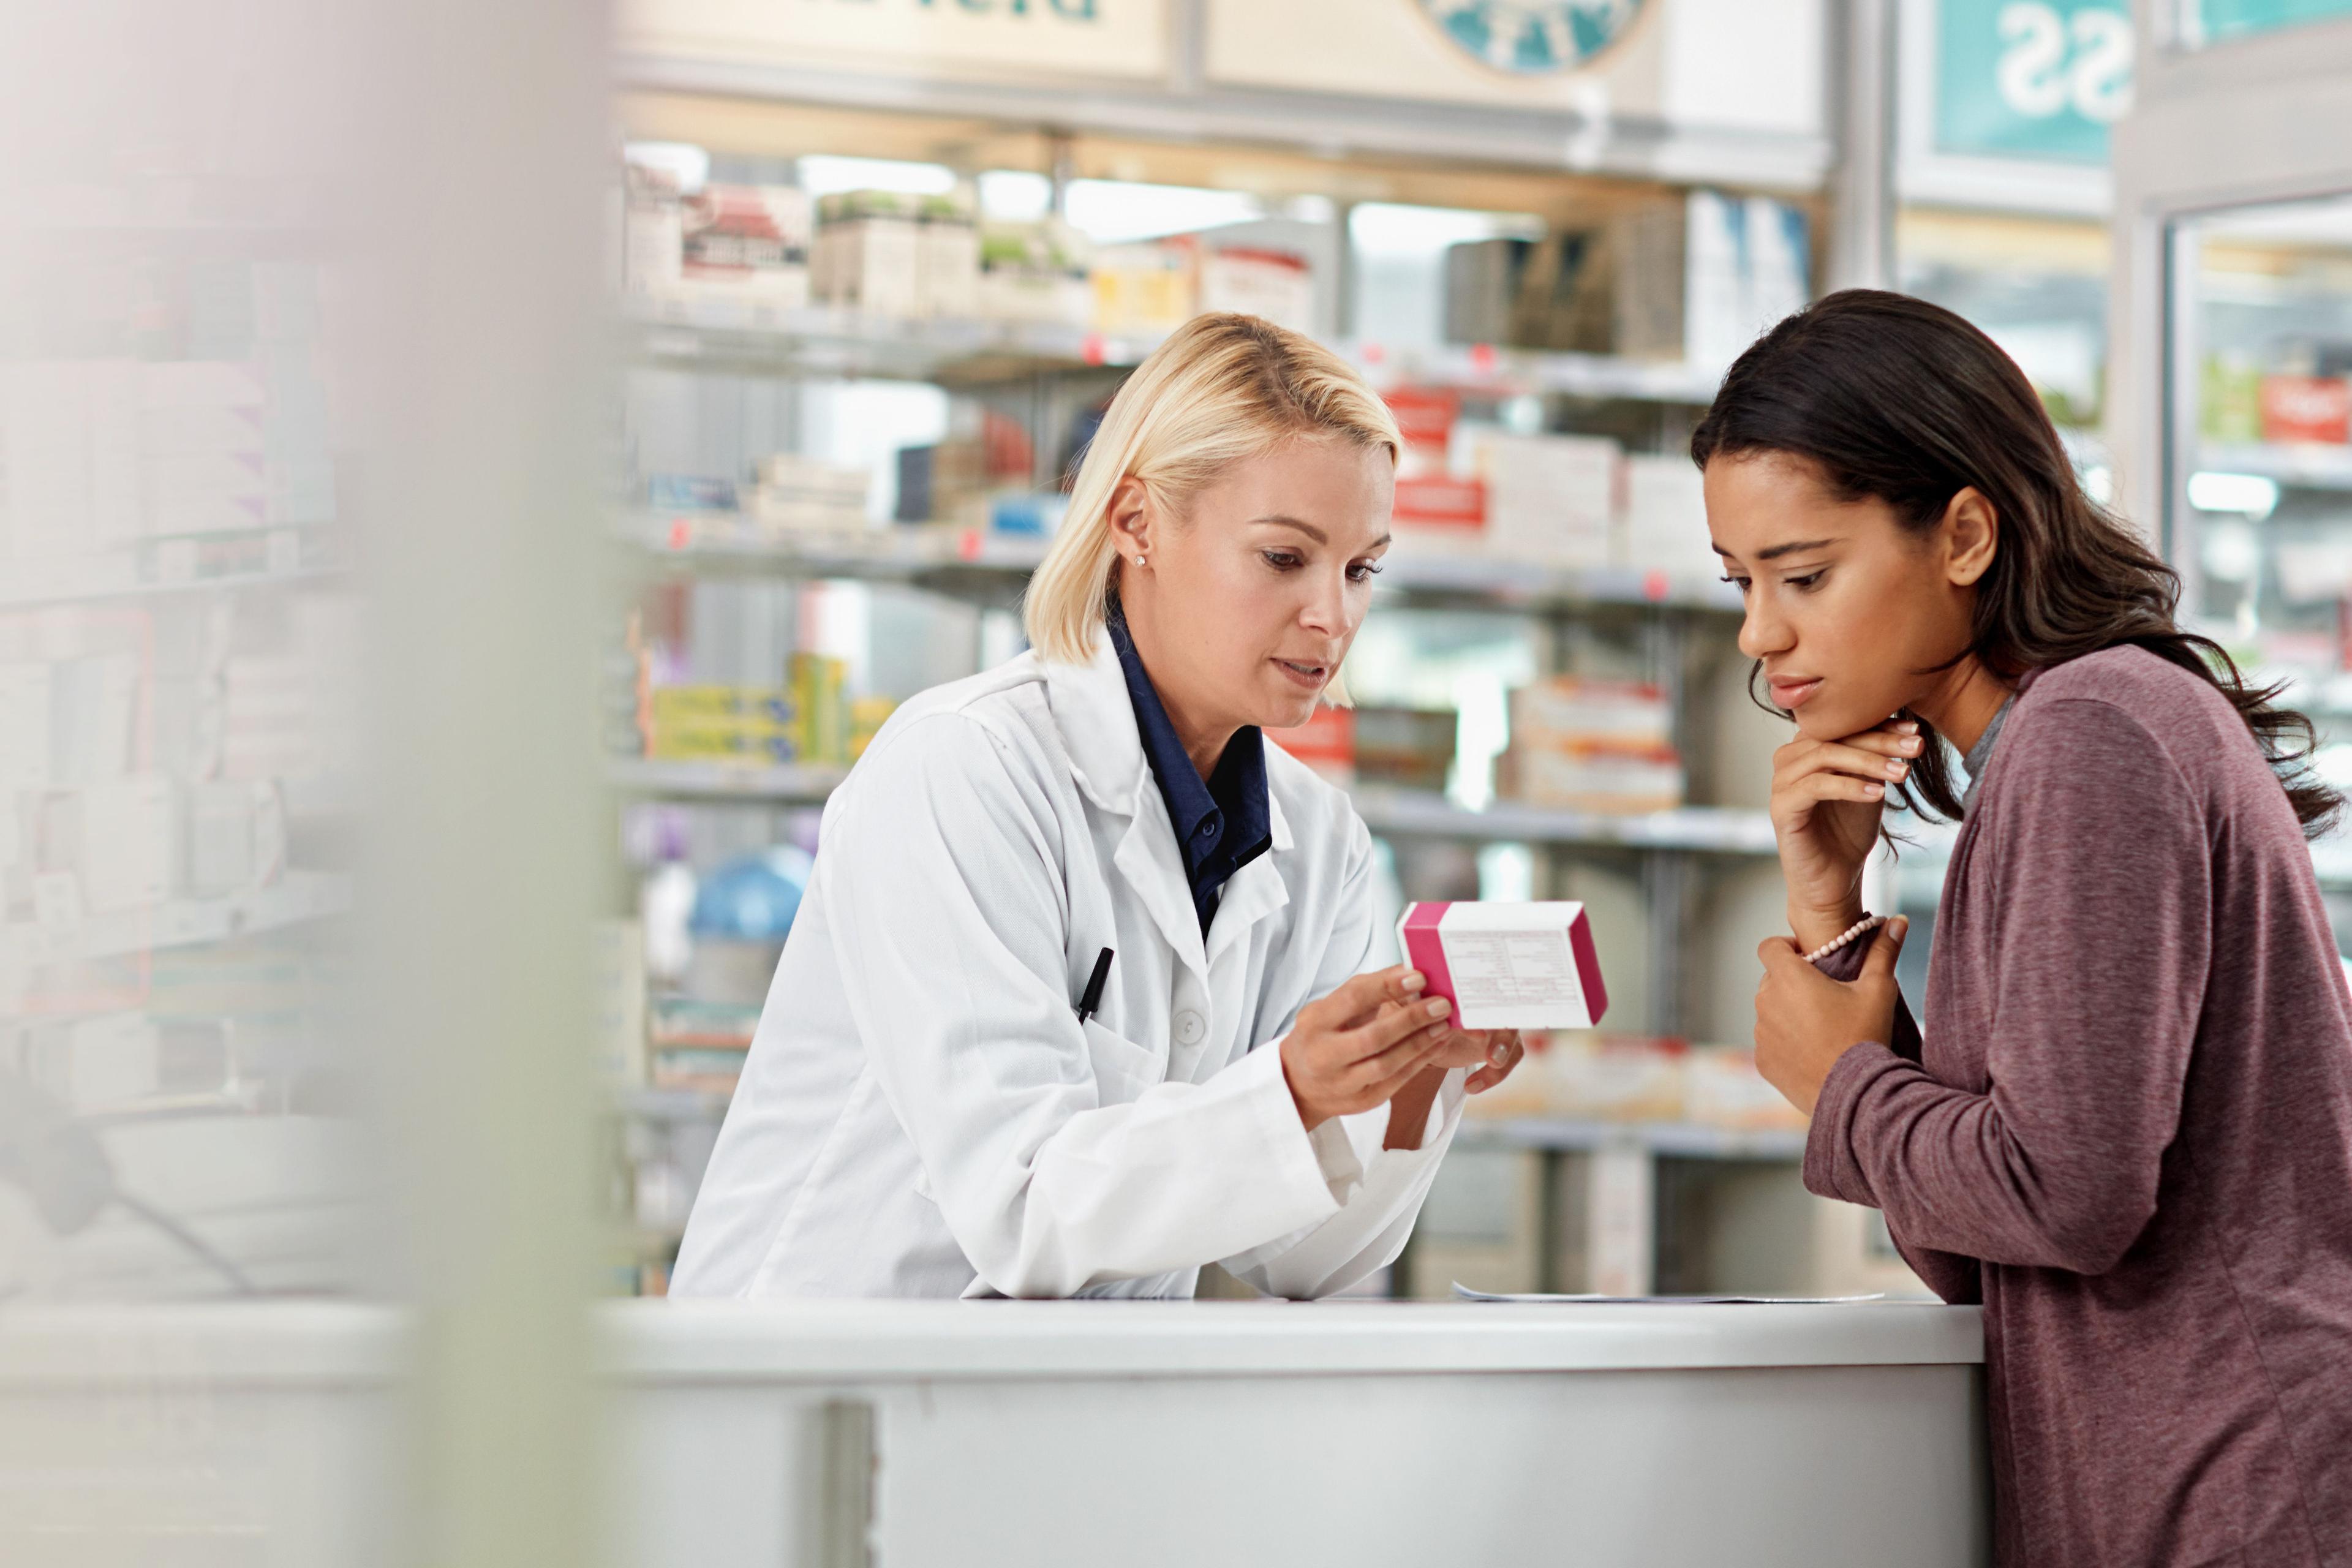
[[1898, 400]]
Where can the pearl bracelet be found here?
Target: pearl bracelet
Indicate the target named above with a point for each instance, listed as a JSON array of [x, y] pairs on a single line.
[[1852, 933]]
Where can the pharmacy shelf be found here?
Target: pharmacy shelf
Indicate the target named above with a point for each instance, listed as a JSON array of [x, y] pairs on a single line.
[[784, 784], [1673, 1140], [1503, 371], [153, 569], [2317, 468], [1700, 829], [1391, 813], [752, 339], [688, 1105], [996, 565], [299, 896]]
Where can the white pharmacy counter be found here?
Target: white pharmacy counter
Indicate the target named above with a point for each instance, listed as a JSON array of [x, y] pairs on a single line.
[[926, 1435]]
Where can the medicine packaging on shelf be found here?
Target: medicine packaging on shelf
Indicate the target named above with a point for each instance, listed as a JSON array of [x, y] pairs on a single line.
[[746, 242]]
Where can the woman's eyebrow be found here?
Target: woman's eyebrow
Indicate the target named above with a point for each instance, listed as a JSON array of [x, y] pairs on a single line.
[[1780, 550], [1284, 519]]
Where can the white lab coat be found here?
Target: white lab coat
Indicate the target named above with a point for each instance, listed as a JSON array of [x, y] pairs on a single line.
[[922, 1114]]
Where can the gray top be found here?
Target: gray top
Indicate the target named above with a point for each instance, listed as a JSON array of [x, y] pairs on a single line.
[[1979, 755]]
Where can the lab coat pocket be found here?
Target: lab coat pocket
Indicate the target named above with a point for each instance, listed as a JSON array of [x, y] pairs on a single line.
[[1123, 1069]]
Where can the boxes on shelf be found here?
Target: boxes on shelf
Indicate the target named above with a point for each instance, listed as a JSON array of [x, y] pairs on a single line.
[[746, 242], [1155, 287], [1700, 277], [1144, 290], [1725, 1090], [985, 456], [723, 724], [1411, 748], [867, 717], [1665, 514], [1325, 743], [947, 269], [2230, 406], [698, 1045], [1550, 498], [653, 242], [1442, 509], [1482, 289], [1591, 745], [2306, 409], [1585, 1075], [1273, 284], [795, 494], [1037, 272], [868, 254], [818, 681], [1425, 417]]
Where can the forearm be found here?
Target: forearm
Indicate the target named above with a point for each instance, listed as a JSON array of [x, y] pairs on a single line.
[[1409, 1110], [1952, 1172]]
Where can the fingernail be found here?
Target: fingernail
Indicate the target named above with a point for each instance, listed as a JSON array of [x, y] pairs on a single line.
[[1414, 980], [1907, 726], [1874, 792], [1437, 1006], [1909, 745], [1896, 770], [1498, 1055]]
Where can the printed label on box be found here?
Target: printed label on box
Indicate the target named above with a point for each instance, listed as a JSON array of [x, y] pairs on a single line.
[[1508, 966]]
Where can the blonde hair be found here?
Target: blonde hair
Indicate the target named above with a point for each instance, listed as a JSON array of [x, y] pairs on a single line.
[[1222, 389]]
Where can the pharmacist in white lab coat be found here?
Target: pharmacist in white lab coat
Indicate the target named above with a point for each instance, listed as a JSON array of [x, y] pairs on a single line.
[[925, 1111]]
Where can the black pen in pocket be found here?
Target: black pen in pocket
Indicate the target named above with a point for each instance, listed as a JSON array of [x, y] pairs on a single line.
[[1093, 997]]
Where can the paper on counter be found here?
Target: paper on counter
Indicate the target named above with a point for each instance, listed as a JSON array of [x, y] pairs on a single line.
[[1465, 1293]]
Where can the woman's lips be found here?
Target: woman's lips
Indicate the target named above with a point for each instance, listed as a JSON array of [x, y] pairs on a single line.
[[1308, 675], [1789, 695]]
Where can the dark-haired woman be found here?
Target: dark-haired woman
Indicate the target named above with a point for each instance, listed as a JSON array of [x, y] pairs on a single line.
[[2128, 1128]]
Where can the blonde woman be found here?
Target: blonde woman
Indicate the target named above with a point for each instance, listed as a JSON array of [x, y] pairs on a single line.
[[1078, 999]]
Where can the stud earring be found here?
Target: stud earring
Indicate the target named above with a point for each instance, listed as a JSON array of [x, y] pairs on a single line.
[[1140, 562]]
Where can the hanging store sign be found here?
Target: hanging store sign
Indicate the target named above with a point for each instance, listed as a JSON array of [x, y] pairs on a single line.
[[1745, 65], [2031, 79], [1536, 40], [2212, 21], [945, 38]]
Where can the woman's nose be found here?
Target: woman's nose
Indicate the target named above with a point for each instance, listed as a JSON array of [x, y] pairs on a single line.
[[1762, 633], [1326, 610]]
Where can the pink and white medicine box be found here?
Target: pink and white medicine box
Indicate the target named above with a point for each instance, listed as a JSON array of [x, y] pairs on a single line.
[[1508, 966]]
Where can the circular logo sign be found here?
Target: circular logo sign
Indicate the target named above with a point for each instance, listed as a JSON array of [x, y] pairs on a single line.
[[1533, 37]]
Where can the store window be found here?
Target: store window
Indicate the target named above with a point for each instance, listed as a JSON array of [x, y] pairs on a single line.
[[2259, 497]]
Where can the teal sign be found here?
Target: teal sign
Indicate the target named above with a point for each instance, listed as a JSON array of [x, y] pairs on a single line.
[[2211, 21], [1532, 37], [2032, 78]]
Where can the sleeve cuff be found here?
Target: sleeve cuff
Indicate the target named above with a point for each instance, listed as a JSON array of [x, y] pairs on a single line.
[[1302, 1162]]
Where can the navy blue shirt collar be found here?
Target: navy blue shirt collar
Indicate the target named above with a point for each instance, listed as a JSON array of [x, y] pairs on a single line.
[[1222, 823]]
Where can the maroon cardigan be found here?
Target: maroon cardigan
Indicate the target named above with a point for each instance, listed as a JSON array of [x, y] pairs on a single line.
[[2129, 1133]]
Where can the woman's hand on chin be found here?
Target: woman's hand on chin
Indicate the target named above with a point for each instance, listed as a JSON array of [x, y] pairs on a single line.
[[1805, 1020], [1827, 798]]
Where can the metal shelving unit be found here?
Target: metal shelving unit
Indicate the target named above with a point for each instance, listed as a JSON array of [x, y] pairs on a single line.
[[989, 566], [2307, 466], [1671, 1140], [297, 897], [292, 554], [745, 338]]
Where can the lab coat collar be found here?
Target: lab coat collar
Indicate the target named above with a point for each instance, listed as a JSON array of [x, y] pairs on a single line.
[[1096, 721], [1095, 718]]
